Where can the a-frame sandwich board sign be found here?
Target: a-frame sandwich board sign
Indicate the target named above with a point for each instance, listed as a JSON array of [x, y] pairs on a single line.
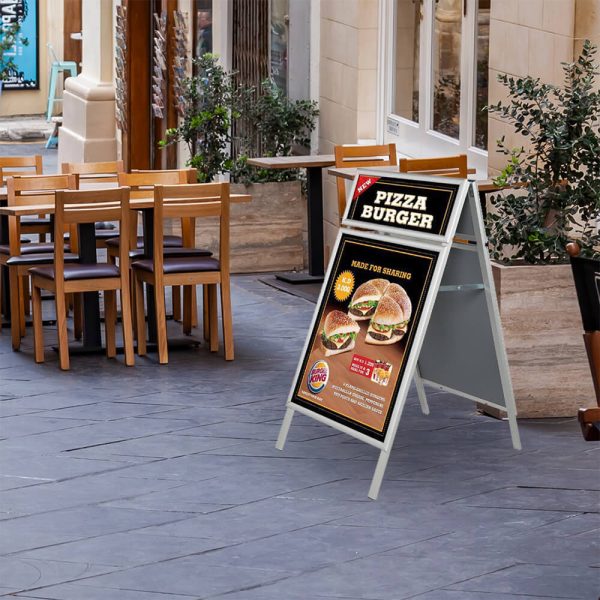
[[408, 295]]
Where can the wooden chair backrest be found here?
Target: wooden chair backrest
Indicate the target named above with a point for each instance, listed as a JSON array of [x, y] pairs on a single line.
[[31, 190], [11, 166], [443, 166], [189, 202], [101, 172], [74, 207], [361, 156], [142, 182]]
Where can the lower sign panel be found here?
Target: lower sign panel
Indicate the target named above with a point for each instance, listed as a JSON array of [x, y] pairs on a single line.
[[364, 331]]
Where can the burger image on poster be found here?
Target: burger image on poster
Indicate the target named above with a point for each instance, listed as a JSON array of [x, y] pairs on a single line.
[[388, 324], [365, 300], [339, 333], [398, 293], [381, 284]]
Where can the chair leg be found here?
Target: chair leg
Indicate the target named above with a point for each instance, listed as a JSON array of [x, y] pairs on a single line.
[[38, 329], [15, 312], [77, 316], [127, 326], [176, 300], [61, 326], [227, 318], [26, 296], [188, 296], [205, 313], [2, 307], [110, 322], [161, 324], [194, 307], [22, 301], [213, 318], [140, 317]]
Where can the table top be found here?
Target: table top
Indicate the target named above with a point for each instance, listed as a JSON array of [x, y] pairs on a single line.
[[483, 186], [134, 203], [293, 162]]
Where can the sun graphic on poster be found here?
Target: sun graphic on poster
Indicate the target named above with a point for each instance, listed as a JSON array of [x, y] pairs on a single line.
[[344, 284]]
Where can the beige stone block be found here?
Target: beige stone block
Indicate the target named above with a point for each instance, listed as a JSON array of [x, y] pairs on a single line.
[[348, 44], [349, 87], [543, 337], [517, 49], [330, 232], [587, 19], [330, 200], [505, 10], [368, 14], [498, 32], [326, 120], [367, 90], [331, 80], [497, 92], [366, 127], [559, 16], [541, 61], [496, 130], [530, 13], [367, 48], [563, 52]]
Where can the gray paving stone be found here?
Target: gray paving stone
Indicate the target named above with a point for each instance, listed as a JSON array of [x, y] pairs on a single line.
[[186, 576], [18, 574], [531, 579], [73, 591], [129, 549]]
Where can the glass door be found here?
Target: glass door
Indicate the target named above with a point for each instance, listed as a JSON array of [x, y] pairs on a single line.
[[435, 77]]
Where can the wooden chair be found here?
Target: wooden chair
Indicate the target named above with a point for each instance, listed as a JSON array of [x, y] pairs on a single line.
[[18, 257], [361, 156], [15, 166], [191, 201], [97, 172], [443, 166], [73, 208], [142, 184]]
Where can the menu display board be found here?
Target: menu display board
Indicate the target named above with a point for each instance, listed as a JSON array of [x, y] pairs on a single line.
[[364, 331], [388, 202]]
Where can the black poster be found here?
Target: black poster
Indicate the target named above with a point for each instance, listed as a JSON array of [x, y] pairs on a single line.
[[364, 332], [402, 204]]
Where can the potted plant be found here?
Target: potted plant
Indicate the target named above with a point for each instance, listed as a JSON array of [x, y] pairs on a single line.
[[554, 198], [267, 234]]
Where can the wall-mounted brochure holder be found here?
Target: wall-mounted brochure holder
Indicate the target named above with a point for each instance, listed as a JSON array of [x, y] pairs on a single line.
[[408, 295]]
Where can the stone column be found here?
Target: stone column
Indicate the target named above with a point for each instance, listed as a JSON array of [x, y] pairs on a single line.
[[88, 133]]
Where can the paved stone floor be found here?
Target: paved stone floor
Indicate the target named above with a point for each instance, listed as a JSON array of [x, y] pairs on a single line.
[[163, 483]]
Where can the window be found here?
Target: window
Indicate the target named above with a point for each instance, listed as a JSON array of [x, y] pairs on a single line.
[[203, 30], [436, 77]]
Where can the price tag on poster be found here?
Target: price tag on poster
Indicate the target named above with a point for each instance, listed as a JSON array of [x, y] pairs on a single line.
[[397, 298]]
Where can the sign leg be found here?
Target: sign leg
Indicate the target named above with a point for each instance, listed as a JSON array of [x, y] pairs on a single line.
[[514, 428], [378, 475], [421, 391], [285, 427]]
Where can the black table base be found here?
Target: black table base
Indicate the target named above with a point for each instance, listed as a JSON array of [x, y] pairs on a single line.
[[299, 277]]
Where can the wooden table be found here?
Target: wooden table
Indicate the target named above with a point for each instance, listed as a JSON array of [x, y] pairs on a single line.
[[92, 337], [314, 165]]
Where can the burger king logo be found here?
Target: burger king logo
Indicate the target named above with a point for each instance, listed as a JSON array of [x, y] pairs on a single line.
[[318, 376]]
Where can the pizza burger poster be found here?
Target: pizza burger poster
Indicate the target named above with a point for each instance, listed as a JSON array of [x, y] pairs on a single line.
[[363, 332]]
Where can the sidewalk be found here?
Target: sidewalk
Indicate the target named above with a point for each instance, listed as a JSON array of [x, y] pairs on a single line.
[[163, 483], [25, 128]]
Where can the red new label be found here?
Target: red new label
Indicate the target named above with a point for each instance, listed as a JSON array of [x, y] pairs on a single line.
[[362, 365], [363, 184]]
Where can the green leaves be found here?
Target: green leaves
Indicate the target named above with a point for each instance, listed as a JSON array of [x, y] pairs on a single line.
[[271, 124], [558, 170]]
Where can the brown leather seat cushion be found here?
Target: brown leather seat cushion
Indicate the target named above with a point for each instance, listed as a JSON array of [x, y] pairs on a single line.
[[34, 222], [169, 241], [106, 234], [79, 271], [136, 254], [38, 259], [32, 248], [186, 264]]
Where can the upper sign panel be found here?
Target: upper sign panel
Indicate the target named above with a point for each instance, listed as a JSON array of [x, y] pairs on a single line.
[[405, 203]]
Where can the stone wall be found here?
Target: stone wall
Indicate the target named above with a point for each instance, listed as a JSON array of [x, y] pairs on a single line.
[[528, 37], [348, 86]]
